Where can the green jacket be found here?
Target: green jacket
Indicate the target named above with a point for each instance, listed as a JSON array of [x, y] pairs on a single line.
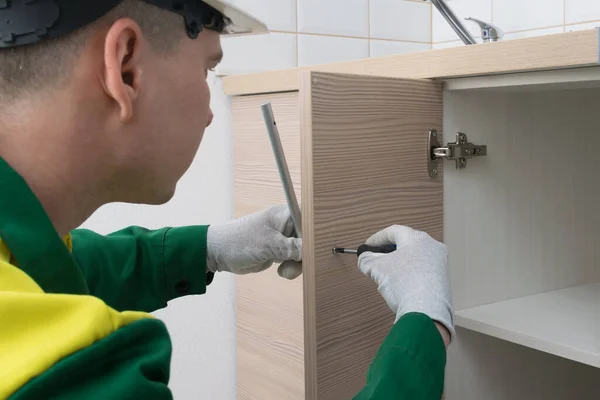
[[75, 322]]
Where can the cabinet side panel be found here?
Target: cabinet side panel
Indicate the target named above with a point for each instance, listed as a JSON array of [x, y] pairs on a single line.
[[367, 154], [269, 308]]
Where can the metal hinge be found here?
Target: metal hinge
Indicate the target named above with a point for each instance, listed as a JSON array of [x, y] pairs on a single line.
[[459, 151]]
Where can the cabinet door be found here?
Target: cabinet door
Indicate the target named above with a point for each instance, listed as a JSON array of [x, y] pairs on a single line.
[[270, 325], [364, 167]]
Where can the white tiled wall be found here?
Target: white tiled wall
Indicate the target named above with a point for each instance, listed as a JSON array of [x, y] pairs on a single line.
[[518, 15], [260, 52], [306, 32], [380, 48], [480, 9], [327, 17], [519, 18], [535, 32], [279, 15], [400, 20], [582, 27], [581, 10], [316, 49]]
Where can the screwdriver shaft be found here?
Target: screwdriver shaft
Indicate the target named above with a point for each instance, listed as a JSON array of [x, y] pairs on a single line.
[[342, 250], [363, 248]]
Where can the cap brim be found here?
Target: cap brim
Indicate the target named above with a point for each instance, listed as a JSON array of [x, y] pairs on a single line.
[[242, 23]]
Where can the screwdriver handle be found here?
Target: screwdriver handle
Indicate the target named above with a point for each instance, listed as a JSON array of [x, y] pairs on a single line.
[[375, 249]]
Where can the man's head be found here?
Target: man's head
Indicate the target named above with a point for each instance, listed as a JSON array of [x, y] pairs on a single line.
[[123, 101]]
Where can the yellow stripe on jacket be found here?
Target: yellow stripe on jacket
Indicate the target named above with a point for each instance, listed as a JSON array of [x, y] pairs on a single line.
[[39, 329]]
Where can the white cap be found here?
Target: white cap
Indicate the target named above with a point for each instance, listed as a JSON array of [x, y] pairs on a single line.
[[241, 23]]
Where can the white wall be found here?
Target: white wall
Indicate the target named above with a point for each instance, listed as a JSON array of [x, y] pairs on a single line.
[[519, 18], [305, 32]]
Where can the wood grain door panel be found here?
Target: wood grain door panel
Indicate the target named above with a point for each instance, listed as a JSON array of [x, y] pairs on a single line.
[[364, 167]]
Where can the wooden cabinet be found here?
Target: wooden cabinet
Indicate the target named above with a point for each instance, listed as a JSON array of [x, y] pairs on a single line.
[[347, 160], [520, 224], [270, 316]]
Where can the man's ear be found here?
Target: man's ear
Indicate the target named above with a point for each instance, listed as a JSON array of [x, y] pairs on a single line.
[[122, 64]]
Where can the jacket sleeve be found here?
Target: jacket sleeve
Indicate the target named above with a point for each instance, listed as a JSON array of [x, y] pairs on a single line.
[[140, 269], [410, 363]]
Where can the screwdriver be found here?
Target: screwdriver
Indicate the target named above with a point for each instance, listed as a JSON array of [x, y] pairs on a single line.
[[363, 248]]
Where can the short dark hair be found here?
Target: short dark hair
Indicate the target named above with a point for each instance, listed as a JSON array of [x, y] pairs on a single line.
[[30, 68]]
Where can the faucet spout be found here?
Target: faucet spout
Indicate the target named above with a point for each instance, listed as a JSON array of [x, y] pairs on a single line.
[[462, 32]]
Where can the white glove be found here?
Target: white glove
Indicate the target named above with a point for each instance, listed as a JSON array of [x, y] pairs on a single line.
[[254, 242], [414, 278]]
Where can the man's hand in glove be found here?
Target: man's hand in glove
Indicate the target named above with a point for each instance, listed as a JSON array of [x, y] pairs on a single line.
[[414, 278], [253, 243]]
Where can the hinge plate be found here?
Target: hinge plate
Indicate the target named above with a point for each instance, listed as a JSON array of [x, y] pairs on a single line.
[[459, 151]]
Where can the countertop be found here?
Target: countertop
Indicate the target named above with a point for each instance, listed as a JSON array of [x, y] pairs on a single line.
[[552, 52]]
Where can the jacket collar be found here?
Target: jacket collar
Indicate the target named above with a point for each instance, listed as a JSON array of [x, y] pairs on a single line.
[[27, 231]]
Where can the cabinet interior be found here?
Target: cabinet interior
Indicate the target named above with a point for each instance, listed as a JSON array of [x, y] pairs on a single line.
[[521, 225]]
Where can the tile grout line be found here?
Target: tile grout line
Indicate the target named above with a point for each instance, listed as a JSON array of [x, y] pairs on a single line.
[[536, 29], [564, 15], [525, 30], [297, 36], [431, 25], [369, 27], [346, 37], [584, 22]]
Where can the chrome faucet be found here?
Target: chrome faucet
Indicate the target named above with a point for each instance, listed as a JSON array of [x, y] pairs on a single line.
[[489, 32]]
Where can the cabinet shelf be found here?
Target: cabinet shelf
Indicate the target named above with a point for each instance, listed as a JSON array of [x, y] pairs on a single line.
[[563, 322]]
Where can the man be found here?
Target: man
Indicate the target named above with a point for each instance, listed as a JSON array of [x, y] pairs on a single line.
[[104, 101]]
